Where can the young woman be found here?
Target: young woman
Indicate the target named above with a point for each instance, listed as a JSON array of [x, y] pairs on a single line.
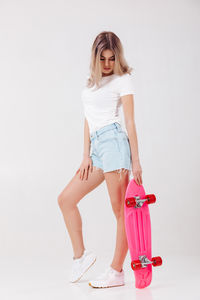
[[109, 153]]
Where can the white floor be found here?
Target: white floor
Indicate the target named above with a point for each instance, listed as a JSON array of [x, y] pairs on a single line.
[[177, 278]]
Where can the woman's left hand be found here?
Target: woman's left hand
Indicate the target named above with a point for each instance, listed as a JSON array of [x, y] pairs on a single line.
[[137, 171]]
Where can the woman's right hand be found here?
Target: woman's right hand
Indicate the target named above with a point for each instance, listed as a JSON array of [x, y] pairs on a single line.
[[85, 168]]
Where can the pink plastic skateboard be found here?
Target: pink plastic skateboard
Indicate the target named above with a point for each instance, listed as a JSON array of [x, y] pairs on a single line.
[[138, 231]]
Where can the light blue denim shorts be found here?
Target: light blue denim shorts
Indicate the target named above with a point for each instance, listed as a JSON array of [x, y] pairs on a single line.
[[110, 149]]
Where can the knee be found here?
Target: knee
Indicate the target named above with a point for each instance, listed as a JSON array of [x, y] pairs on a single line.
[[60, 200], [65, 200], [119, 214], [118, 211]]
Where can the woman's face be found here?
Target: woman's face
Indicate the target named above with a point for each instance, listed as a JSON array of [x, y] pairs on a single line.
[[107, 58]]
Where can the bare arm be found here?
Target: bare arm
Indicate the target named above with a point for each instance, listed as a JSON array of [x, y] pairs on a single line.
[[128, 108], [86, 164], [86, 151]]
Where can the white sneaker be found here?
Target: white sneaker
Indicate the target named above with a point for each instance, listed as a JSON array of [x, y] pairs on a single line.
[[109, 278], [81, 265]]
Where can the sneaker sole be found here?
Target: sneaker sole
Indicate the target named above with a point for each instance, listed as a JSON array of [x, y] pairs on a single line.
[[102, 287], [84, 272]]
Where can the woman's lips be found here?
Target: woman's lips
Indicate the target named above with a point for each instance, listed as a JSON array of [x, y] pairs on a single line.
[[106, 68]]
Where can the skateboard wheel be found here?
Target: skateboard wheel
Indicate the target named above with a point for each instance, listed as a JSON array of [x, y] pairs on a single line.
[[157, 261], [130, 202], [151, 198], [136, 265]]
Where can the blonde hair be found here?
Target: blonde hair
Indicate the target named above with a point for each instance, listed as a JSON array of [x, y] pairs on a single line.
[[106, 40]]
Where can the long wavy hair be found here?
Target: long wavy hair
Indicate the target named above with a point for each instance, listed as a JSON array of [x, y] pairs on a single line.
[[106, 40]]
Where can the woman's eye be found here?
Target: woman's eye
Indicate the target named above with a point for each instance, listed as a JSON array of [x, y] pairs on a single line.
[[104, 59]]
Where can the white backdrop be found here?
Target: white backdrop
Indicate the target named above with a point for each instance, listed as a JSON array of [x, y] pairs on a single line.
[[44, 59]]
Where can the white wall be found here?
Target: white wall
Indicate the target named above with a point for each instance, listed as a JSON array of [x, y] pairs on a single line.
[[44, 58]]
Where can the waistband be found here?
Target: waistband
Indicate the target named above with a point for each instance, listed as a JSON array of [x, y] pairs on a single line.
[[105, 128]]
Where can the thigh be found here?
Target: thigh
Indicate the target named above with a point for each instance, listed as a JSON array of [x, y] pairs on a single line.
[[76, 189], [116, 184]]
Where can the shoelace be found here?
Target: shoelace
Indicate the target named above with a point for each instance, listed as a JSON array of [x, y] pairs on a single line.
[[104, 274]]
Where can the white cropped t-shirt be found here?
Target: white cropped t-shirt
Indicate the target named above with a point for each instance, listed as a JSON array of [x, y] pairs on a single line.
[[101, 105]]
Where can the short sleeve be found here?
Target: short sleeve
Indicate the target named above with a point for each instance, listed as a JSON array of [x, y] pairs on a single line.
[[126, 85]]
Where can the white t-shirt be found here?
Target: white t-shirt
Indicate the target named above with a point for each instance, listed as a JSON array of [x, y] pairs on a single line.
[[101, 105]]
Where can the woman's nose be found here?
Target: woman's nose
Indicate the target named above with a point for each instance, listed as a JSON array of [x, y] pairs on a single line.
[[106, 63]]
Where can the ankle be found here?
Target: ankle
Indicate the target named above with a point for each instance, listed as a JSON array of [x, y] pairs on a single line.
[[78, 254], [118, 269]]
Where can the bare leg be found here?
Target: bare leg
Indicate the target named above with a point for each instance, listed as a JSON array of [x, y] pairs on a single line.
[[68, 199], [117, 190]]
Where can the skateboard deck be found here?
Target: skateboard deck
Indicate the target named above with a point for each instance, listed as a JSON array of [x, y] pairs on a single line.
[[138, 232]]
